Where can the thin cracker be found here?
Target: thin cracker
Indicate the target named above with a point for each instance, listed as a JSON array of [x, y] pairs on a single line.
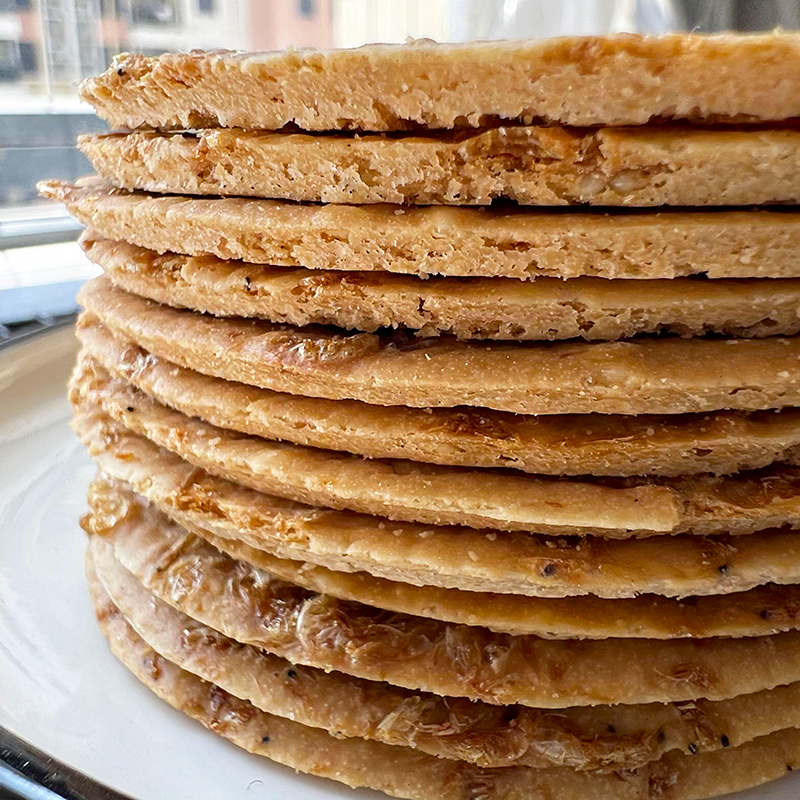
[[596, 444], [655, 376], [509, 242], [612, 80], [529, 165], [405, 490], [493, 308], [448, 557], [757, 612], [252, 607], [599, 738], [405, 773]]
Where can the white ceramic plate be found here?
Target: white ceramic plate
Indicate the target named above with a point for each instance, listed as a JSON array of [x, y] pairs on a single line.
[[60, 688]]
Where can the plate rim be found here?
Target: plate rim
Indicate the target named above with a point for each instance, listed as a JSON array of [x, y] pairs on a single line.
[[32, 774]]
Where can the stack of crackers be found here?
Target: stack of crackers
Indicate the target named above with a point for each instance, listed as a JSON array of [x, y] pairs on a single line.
[[414, 475]]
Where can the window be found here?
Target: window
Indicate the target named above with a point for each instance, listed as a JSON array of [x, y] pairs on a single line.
[[154, 12], [307, 8], [9, 60], [27, 57]]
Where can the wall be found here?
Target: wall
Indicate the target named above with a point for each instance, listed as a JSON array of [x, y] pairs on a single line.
[[276, 24]]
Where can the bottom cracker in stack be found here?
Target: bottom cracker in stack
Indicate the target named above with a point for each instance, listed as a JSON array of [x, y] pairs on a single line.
[[402, 772], [436, 660], [240, 676]]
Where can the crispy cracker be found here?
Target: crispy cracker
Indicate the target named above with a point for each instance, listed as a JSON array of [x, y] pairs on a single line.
[[448, 557], [599, 738], [396, 490], [252, 607], [597, 444], [611, 80], [528, 165], [653, 376], [491, 308], [488, 242], [407, 773], [760, 611], [406, 490]]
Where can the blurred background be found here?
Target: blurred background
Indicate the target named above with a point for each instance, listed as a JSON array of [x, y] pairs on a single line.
[[48, 46]]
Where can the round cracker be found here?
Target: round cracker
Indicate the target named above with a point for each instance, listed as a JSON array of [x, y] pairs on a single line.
[[406, 490], [508, 242], [540, 166], [595, 444], [448, 557], [407, 773], [599, 738], [612, 80], [252, 607], [491, 308], [758, 612], [649, 376]]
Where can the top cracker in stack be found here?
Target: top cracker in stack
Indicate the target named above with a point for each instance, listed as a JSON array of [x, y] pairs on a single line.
[[470, 522], [614, 80], [602, 82]]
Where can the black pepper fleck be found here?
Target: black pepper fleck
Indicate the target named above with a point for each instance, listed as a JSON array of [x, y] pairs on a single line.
[[611, 729], [130, 408], [723, 569], [264, 739], [724, 741], [765, 614], [693, 748], [549, 570], [247, 283], [291, 673]]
